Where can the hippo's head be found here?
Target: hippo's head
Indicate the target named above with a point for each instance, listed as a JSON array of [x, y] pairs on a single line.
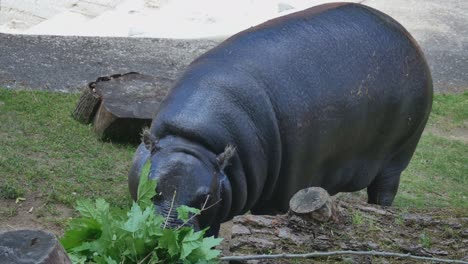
[[187, 174]]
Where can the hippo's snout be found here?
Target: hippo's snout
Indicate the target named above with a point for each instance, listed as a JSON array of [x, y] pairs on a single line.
[[171, 219]]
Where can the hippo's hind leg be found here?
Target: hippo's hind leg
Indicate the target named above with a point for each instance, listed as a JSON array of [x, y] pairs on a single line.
[[384, 187]]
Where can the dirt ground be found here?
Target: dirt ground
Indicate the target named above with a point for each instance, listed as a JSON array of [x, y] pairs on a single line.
[[33, 213]]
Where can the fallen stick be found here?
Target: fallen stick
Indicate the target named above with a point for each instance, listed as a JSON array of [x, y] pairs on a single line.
[[335, 253]]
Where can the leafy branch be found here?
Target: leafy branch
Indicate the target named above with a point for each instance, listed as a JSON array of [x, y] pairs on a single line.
[[197, 212], [105, 234]]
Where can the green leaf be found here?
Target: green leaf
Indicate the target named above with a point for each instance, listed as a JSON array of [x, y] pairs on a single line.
[[87, 208], [168, 241], [81, 230], [183, 212], [77, 258], [205, 252], [135, 219], [93, 210], [146, 187], [190, 242]]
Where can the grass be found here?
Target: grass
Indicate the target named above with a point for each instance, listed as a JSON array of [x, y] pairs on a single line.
[[438, 173], [45, 153], [449, 111]]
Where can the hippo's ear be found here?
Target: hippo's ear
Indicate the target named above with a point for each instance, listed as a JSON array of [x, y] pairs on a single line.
[[223, 158], [149, 140]]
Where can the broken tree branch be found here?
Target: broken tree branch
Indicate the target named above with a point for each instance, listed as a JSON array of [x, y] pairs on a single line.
[[335, 253]]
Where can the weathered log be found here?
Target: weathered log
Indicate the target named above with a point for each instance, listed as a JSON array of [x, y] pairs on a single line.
[[128, 103], [87, 106], [31, 247], [398, 231], [312, 203]]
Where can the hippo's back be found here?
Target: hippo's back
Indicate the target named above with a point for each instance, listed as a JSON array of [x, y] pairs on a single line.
[[333, 93]]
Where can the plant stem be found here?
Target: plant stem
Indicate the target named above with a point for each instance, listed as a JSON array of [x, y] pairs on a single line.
[[201, 210], [170, 210]]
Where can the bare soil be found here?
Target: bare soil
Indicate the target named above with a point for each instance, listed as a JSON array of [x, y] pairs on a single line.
[[34, 212]]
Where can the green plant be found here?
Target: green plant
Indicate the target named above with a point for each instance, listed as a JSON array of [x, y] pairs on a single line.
[[10, 192], [105, 234], [357, 218], [399, 220], [425, 240]]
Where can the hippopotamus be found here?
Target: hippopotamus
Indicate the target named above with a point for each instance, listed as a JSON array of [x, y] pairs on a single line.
[[335, 96]]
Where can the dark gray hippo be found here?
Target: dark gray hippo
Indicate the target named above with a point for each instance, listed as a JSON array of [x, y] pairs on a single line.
[[335, 96]]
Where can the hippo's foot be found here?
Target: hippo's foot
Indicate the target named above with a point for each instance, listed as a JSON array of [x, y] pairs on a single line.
[[383, 189]]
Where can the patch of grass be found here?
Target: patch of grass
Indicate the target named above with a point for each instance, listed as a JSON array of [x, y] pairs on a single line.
[[425, 240], [8, 212], [449, 111], [438, 173], [399, 220], [46, 152], [8, 191], [357, 218]]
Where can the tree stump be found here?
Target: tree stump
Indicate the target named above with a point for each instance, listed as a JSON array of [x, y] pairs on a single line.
[[313, 203], [31, 247], [129, 103], [121, 105]]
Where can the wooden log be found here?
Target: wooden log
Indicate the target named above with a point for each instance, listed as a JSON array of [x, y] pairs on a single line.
[[128, 103], [31, 247], [87, 106], [312, 203]]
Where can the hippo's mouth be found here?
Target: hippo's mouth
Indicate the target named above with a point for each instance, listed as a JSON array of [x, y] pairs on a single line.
[[171, 219]]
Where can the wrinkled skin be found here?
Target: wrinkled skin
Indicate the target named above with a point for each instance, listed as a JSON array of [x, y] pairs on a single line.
[[335, 96]]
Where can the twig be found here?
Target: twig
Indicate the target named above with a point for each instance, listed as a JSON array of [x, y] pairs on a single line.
[[170, 210], [347, 252], [147, 256], [201, 210]]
